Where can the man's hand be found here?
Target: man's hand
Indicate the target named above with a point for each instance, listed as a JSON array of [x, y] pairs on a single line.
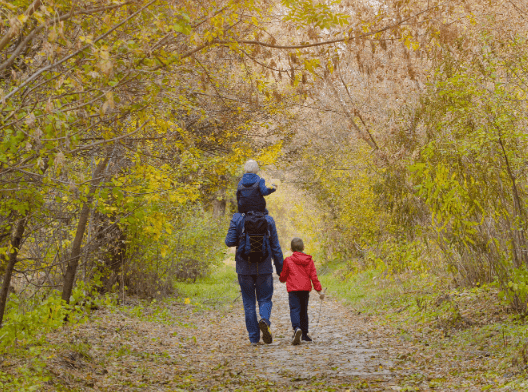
[[321, 295], [274, 186]]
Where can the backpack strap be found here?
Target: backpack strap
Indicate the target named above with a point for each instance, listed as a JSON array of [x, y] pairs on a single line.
[[243, 227]]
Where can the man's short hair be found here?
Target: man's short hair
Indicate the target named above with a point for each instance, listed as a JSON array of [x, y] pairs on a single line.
[[297, 245], [251, 166]]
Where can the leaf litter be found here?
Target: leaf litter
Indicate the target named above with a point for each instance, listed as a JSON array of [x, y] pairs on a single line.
[[173, 346]]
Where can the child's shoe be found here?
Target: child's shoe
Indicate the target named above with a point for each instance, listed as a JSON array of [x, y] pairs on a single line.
[[266, 331], [296, 340], [306, 337]]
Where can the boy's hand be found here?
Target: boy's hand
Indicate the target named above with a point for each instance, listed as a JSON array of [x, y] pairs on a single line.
[[321, 295], [274, 186]]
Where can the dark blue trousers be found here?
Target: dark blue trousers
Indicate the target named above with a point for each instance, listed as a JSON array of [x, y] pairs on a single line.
[[299, 309], [259, 288]]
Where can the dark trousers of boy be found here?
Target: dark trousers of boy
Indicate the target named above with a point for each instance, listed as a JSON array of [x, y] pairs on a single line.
[[299, 310]]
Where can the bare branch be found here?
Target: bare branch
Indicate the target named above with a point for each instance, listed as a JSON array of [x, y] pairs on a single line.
[[51, 66], [370, 141], [11, 33], [334, 41]]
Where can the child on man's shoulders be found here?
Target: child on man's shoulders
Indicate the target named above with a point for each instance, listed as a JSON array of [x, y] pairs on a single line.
[[252, 189]]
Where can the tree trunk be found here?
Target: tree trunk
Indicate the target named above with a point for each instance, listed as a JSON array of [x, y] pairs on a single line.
[[219, 208], [115, 260], [16, 240], [15, 247], [71, 270], [219, 203], [5, 239], [518, 210]]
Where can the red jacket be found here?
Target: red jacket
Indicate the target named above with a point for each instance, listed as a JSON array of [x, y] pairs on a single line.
[[298, 271]]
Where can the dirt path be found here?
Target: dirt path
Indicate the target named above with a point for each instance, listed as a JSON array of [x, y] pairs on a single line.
[[175, 346], [179, 348], [339, 351]]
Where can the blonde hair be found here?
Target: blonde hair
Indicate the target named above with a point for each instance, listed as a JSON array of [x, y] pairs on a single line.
[[251, 166]]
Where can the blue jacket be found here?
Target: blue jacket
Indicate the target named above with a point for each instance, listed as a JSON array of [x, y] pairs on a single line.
[[254, 200], [250, 178], [245, 267]]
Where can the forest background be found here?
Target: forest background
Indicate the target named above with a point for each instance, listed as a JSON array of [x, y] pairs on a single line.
[[396, 130]]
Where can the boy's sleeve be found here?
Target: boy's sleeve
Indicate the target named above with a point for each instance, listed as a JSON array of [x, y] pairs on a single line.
[[285, 271], [313, 276], [264, 189]]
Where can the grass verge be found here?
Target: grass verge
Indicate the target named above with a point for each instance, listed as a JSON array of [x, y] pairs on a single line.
[[217, 289], [486, 344], [57, 357]]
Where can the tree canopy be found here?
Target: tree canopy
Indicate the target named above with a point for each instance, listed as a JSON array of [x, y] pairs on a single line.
[[124, 125]]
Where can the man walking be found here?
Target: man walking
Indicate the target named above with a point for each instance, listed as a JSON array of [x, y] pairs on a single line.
[[256, 277]]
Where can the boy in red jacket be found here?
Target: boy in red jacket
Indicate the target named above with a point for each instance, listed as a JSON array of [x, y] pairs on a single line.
[[299, 273]]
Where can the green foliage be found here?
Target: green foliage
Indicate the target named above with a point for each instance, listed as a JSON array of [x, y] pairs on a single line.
[[314, 13], [437, 320], [220, 287], [357, 289], [154, 80], [345, 188], [28, 378], [26, 323], [184, 253], [182, 24], [516, 290], [23, 326], [471, 169], [296, 214], [395, 256], [28, 320]]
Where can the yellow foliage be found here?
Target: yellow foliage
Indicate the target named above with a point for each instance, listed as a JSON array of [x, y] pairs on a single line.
[[270, 154]]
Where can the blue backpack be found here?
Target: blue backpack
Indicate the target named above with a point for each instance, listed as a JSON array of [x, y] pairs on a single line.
[[254, 238]]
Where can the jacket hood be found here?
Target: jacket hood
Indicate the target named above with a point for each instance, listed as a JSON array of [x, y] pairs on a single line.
[[300, 258], [249, 179], [239, 215]]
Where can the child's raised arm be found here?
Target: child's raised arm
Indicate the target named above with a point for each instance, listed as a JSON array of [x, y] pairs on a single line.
[[264, 189]]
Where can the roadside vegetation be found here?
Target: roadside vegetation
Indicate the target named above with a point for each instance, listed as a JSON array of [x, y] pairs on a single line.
[[472, 327], [396, 131]]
